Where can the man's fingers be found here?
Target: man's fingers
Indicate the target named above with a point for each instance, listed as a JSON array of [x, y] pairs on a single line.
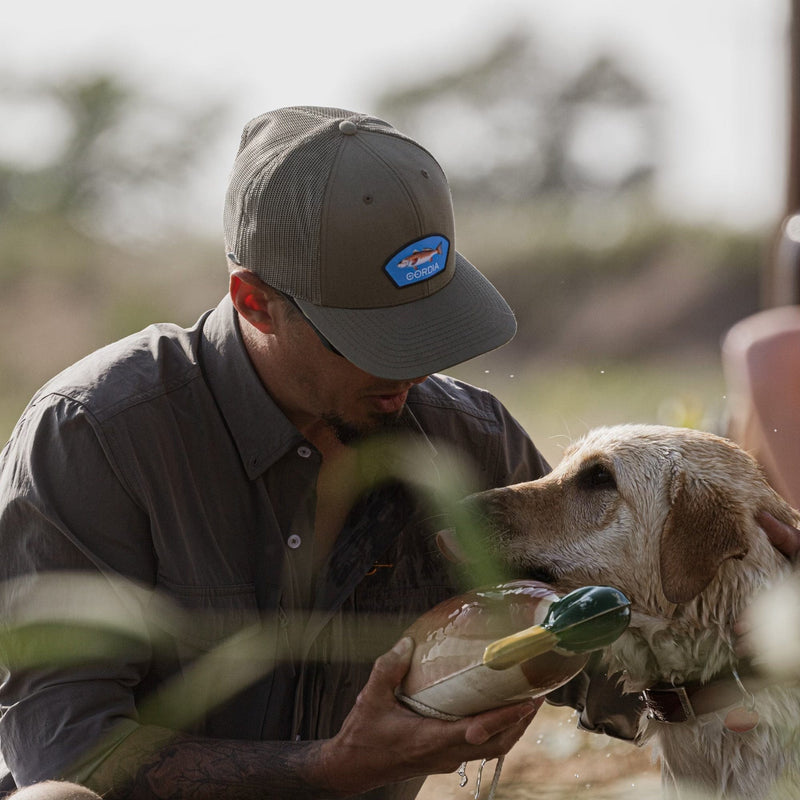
[[490, 723], [783, 536]]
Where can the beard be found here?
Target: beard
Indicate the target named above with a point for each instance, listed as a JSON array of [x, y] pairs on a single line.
[[350, 433]]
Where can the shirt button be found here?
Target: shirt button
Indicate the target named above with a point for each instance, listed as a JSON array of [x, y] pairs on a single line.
[[304, 451], [294, 541]]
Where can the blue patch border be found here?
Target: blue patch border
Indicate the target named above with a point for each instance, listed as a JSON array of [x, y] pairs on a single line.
[[393, 272]]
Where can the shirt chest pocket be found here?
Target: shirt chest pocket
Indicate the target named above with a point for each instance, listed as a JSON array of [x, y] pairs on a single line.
[[201, 617], [221, 643]]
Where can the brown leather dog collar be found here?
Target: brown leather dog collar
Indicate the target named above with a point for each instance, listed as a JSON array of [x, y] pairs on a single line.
[[676, 704]]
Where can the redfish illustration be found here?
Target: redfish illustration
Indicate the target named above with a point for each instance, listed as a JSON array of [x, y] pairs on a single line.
[[420, 257]]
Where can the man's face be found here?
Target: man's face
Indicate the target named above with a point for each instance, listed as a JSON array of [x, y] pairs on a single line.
[[317, 384]]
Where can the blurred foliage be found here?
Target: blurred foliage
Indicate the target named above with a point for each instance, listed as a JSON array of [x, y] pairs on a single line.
[[514, 125], [661, 288], [107, 146], [110, 162]]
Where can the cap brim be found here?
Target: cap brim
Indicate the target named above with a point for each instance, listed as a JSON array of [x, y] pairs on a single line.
[[464, 319]]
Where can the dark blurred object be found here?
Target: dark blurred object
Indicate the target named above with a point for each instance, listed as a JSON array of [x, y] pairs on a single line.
[[781, 284], [782, 277], [793, 185]]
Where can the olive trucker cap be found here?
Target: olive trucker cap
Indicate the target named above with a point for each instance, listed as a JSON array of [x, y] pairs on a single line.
[[354, 221]]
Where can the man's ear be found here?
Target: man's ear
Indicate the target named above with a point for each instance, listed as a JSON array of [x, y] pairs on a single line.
[[253, 299]]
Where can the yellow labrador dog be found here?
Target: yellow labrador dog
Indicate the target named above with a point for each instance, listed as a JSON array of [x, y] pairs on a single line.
[[667, 515]]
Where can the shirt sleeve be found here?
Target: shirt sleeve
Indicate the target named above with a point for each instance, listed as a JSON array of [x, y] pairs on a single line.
[[518, 458], [65, 513], [475, 426]]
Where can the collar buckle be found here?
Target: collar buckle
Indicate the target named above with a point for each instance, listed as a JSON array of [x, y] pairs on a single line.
[[669, 704]]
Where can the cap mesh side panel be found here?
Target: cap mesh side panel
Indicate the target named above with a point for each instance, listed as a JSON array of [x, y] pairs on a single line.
[[296, 195]]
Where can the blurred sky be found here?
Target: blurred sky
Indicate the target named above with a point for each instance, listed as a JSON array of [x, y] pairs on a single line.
[[718, 67]]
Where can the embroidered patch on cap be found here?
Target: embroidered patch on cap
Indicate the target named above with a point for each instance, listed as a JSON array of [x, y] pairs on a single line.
[[418, 261]]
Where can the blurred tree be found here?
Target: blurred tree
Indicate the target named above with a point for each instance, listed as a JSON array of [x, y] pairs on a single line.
[[113, 154], [93, 175], [509, 126]]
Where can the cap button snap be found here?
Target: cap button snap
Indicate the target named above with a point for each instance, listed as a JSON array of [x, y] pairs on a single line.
[[348, 127]]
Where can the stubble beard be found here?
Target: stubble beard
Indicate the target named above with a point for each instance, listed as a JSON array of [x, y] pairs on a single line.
[[351, 433]]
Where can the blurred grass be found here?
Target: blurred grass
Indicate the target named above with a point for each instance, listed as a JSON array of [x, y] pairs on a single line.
[[558, 402]]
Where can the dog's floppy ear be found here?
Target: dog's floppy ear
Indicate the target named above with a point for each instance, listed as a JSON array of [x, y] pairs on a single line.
[[702, 530]]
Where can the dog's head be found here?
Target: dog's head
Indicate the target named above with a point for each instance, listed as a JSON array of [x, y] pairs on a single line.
[[659, 512]]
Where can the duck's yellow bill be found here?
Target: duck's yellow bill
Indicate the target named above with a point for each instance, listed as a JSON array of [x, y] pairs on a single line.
[[519, 647]]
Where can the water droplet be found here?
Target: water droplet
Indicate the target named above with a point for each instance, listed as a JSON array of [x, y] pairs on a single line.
[[486, 372], [478, 779], [511, 376]]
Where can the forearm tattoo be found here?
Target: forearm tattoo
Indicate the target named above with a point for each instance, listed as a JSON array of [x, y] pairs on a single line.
[[154, 763]]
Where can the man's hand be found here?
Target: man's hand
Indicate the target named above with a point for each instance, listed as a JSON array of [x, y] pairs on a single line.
[[766, 631], [783, 536], [382, 741]]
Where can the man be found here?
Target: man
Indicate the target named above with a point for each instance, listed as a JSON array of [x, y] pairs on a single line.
[[208, 484]]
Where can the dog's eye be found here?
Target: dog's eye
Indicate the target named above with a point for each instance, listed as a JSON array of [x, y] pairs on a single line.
[[597, 477]]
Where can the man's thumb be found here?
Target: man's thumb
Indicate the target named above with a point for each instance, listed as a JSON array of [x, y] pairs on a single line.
[[393, 666]]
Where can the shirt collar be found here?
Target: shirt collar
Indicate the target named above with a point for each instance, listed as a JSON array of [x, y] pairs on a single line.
[[260, 430]]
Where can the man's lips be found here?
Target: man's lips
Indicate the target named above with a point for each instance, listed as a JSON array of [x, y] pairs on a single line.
[[389, 403]]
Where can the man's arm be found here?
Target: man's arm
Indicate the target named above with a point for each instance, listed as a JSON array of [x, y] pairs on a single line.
[[380, 742]]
